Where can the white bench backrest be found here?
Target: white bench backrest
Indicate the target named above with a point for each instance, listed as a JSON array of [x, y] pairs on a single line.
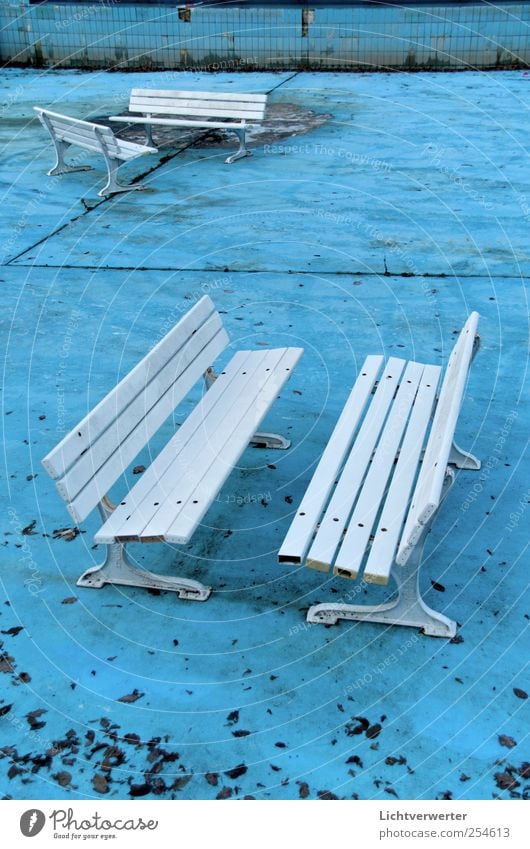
[[90, 459], [428, 491], [198, 104], [81, 133]]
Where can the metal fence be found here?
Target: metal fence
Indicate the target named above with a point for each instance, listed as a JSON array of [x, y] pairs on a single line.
[[362, 36]]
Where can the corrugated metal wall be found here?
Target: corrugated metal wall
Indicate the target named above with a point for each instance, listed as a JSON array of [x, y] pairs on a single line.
[[103, 35]]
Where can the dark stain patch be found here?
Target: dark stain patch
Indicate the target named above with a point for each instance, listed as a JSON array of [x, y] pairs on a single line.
[[129, 698], [391, 760], [352, 729], [509, 742], [29, 529], [12, 632], [506, 781], [33, 721], [237, 771], [282, 121], [521, 694], [180, 782], [136, 790], [212, 778], [131, 738], [113, 757], [373, 731], [303, 789], [67, 534], [327, 795], [224, 793], [100, 783]]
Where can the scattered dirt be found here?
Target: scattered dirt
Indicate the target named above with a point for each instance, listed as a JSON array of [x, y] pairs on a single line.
[[283, 121]]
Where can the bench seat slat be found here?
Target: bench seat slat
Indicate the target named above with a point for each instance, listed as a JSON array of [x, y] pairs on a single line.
[[191, 111], [192, 513], [148, 107], [65, 119], [88, 143], [117, 525], [117, 463], [177, 122], [200, 429], [243, 97], [202, 107], [179, 374], [427, 493], [114, 149], [151, 506], [82, 132], [97, 138], [79, 439], [352, 548], [383, 549], [300, 534], [322, 552]]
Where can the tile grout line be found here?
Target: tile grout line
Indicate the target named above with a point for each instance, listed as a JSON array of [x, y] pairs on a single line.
[[163, 161], [290, 272], [86, 211]]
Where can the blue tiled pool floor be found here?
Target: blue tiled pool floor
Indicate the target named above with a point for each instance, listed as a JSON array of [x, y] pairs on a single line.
[[377, 232]]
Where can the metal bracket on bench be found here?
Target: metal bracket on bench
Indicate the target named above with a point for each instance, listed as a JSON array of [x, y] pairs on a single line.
[[407, 609], [270, 440], [149, 134], [259, 440], [463, 459], [60, 167], [118, 569], [113, 185], [242, 150]]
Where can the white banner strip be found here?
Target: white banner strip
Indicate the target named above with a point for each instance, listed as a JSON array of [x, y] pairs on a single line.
[[256, 824]]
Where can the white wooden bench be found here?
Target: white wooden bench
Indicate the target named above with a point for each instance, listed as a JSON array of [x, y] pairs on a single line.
[[66, 131], [380, 482], [202, 109], [170, 499]]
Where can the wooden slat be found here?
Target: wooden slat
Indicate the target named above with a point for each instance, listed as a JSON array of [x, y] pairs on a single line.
[[80, 141], [118, 462], [66, 119], [300, 534], [180, 373], [118, 522], [191, 514], [87, 135], [322, 552], [428, 489], [154, 104], [176, 122], [353, 546], [82, 131], [153, 515], [191, 111], [243, 97], [383, 548], [101, 417]]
